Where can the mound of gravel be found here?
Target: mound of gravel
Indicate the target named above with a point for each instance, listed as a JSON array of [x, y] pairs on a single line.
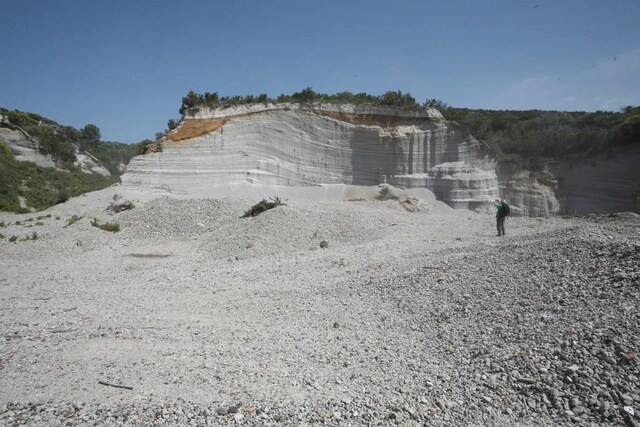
[[170, 218]]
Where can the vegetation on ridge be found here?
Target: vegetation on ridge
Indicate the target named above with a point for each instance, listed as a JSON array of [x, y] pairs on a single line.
[[528, 139], [193, 100], [60, 142], [25, 186], [531, 138], [41, 187]]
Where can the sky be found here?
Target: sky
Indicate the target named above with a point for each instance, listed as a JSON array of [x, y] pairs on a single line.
[[125, 65]]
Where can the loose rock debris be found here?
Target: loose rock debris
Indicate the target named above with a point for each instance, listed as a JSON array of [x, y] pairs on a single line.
[[403, 324]]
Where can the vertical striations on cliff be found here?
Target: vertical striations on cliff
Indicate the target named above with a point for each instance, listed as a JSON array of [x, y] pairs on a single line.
[[320, 144]]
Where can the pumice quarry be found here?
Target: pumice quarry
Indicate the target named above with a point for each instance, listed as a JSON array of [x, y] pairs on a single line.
[[324, 263]]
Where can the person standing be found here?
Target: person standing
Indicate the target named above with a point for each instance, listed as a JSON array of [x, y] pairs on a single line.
[[502, 213]]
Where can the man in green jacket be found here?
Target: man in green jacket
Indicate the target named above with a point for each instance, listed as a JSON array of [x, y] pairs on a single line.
[[502, 213]]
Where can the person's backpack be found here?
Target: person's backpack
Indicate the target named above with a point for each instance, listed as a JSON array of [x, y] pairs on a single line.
[[505, 210]]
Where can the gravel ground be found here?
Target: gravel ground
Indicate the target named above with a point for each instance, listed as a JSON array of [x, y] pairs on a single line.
[[411, 314]]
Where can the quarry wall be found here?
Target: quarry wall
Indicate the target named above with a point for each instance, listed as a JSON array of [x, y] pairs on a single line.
[[321, 144]]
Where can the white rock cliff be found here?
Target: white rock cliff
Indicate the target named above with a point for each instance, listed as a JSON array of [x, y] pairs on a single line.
[[320, 144]]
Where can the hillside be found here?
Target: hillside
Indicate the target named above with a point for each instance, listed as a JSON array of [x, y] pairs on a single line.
[[533, 138], [44, 163]]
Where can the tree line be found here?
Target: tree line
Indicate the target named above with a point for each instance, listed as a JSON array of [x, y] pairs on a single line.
[[192, 101], [532, 138], [60, 142], [527, 138]]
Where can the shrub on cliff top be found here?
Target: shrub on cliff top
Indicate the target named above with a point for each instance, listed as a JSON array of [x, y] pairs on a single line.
[[193, 100]]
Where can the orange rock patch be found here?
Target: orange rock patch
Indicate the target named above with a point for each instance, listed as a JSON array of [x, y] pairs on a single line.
[[192, 128]]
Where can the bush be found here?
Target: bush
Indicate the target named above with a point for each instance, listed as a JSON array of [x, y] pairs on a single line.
[[193, 101], [32, 236], [114, 228], [172, 124], [262, 206], [13, 238], [110, 227], [90, 132], [73, 220], [386, 194], [142, 145]]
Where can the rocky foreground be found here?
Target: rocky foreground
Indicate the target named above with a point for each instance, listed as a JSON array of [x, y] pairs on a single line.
[[409, 314]]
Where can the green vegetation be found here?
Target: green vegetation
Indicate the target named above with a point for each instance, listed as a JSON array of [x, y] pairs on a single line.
[[386, 194], [52, 138], [111, 154], [41, 187], [32, 236], [13, 238], [142, 145], [60, 141], [530, 138], [193, 100], [73, 220], [25, 186], [106, 226], [90, 132]]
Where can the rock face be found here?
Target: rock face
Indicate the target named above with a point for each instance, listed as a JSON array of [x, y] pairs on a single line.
[[608, 182], [605, 183], [319, 144], [527, 193], [89, 164], [23, 147]]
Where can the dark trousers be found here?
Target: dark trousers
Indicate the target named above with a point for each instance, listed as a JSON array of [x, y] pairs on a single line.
[[500, 224]]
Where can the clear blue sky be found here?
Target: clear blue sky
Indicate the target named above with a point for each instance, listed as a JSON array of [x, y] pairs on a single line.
[[125, 65]]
